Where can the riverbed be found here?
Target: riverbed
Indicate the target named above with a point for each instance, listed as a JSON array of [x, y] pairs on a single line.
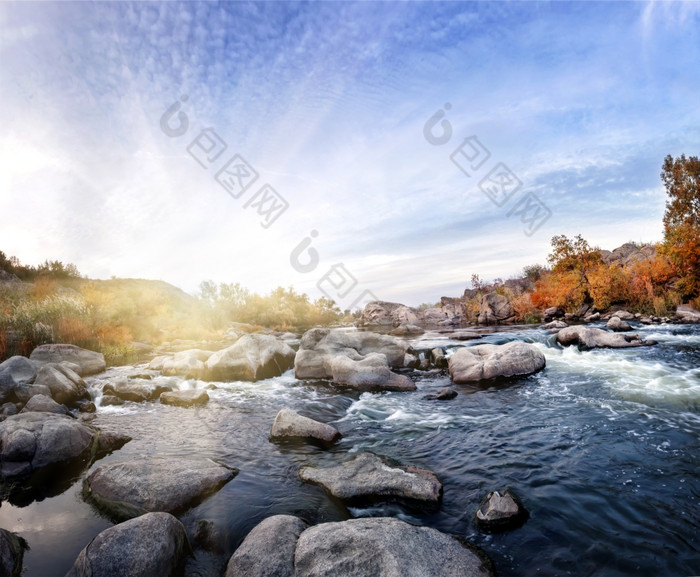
[[602, 447]]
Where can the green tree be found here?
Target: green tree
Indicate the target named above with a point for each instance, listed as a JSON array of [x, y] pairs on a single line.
[[681, 177]]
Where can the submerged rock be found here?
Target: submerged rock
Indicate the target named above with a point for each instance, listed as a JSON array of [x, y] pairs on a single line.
[[89, 362], [589, 337], [133, 390], [483, 362], [444, 394], [12, 548], [190, 398], [154, 544], [289, 424], [500, 511], [128, 489], [252, 358], [369, 477], [268, 550], [407, 330]]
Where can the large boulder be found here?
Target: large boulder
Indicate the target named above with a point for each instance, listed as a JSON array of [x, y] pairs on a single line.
[[31, 441], [14, 372], [685, 312], [65, 385], [188, 364], [494, 309], [289, 424], [268, 550], [136, 390], [371, 373], [382, 313], [436, 316], [89, 362], [192, 398], [44, 404], [588, 337], [251, 358], [370, 477], [150, 545], [131, 488], [483, 362], [12, 548], [618, 325]]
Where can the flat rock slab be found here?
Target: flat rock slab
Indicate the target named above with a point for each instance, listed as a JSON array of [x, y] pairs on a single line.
[[500, 510], [154, 544], [370, 477], [482, 362], [128, 489], [590, 338], [89, 362], [371, 373], [195, 398], [289, 424]]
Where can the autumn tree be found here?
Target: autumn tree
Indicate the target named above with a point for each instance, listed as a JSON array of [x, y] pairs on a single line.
[[681, 177]]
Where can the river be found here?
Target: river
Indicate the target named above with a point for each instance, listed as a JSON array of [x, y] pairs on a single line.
[[603, 448]]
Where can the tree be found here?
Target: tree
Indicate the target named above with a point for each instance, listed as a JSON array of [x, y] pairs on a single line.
[[681, 177]]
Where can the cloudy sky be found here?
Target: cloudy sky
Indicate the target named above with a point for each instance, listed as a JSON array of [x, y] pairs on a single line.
[[399, 147]]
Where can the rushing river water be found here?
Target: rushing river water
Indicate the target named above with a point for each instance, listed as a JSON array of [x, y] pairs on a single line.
[[603, 447]]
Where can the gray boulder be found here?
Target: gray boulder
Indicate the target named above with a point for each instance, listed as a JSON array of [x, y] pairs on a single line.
[[623, 315], [436, 316], [685, 312], [44, 404], [188, 364], [495, 309], [588, 337], [382, 313], [128, 489], [407, 331], [439, 357], [268, 550], [592, 317], [289, 424], [371, 373], [618, 325], [192, 398], [14, 372], [251, 358], [464, 336], [444, 394], [384, 547], [557, 324], [500, 511], [12, 548], [135, 390], [90, 362], [483, 362], [369, 477], [65, 385], [154, 544]]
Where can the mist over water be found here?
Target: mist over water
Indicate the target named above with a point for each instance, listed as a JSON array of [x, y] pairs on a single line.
[[603, 448]]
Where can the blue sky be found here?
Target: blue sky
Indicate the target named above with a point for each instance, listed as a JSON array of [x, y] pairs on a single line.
[[328, 102]]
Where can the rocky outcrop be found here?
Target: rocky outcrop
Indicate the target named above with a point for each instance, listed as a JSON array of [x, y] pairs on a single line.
[[289, 424], [15, 372], [150, 545], [251, 358], [500, 511], [371, 373], [483, 362], [128, 489], [89, 362], [192, 398], [618, 325], [495, 309], [685, 313], [381, 313], [370, 477], [590, 338], [12, 548], [628, 254], [268, 550], [283, 546]]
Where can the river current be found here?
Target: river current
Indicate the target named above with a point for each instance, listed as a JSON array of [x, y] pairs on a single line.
[[602, 447]]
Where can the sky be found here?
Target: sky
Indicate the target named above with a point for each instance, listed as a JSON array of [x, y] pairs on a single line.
[[363, 150]]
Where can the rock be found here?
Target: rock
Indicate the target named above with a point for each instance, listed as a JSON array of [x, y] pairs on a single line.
[[44, 404], [14, 372], [436, 316], [251, 358], [190, 398], [188, 364], [592, 317], [132, 390], [383, 313], [150, 545], [495, 309], [439, 357], [369, 374], [268, 550], [31, 441], [553, 312], [66, 386], [108, 442], [500, 511], [157, 363], [319, 347], [290, 424], [370, 477], [12, 548], [85, 406], [588, 337], [685, 312], [111, 401], [385, 547], [25, 392], [207, 537], [407, 331], [618, 325], [411, 361], [645, 320], [623, 315], [454, 310], [7, 410], [554, 325], [90, 362], [128, 489], [444, 394], [483, 362], [464, 336]]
